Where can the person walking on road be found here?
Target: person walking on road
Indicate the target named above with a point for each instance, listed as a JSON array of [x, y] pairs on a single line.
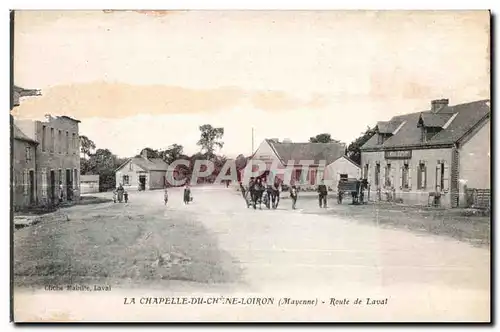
[[187, 194], [165, 196], [294, 195], [322, 194]]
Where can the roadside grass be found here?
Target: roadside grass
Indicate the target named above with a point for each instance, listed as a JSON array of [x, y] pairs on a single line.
[[120, 244], [474, 229]]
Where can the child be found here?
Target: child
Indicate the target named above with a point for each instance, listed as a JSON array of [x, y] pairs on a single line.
[[293, 196], [165, 196]]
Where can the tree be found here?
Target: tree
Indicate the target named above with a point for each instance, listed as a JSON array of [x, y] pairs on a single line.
[[152, 153], [86, 146], [210, 139], [353, 150], [172, 153], [322, 138], [103, 163]]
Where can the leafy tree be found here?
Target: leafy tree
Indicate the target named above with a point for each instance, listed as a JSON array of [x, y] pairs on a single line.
[[322, 138], [172, 153], [103, 163], [353, 150], [152, 153], [211, 138], [86, 146]]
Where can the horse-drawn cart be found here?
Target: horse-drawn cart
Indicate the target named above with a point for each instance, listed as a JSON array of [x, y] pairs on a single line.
[[354, 187]]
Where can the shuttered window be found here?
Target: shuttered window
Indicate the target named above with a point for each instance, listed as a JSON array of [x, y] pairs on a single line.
[[422, 175], [405, 176], [25, 182], [377, 174], [388, 181], [44, 182], [442, 176]]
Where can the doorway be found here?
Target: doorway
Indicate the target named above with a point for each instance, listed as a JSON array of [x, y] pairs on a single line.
[[142, 182], [52, 191], [69, 185], [32, 187]]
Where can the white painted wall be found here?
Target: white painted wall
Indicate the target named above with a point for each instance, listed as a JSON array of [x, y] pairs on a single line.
[[475, 160], [340, 166]]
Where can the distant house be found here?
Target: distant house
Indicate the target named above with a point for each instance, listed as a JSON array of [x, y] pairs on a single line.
[[89, 184], [324, 161], [142, 173]]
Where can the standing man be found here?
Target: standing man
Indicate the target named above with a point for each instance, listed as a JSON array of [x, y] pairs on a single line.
[[165, 196], [293, 196], [61, 192], [187, 194], [322, 194]]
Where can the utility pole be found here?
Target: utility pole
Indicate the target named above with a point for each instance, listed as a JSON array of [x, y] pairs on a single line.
[[252, 141]]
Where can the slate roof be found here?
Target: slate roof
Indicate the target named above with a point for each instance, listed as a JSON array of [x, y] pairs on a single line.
[[307, 151], [19, 135], [388, 127], [468, 116], [150, 164], [435, 120]]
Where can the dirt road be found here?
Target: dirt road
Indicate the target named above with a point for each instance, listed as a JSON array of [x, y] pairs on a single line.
[[279, 254]]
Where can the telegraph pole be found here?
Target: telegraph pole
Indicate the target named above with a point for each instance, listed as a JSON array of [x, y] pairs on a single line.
[[252, 141]]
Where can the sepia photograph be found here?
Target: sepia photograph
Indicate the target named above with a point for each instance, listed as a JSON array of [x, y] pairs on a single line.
[[250, 166]]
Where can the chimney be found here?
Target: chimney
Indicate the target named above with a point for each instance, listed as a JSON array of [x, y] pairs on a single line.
[[438, 104], [144, 153], [287, 140]]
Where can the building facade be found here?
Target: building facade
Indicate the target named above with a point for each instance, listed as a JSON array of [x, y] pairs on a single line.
[[142, 173], [89, 184], [311, 162], [24, 186], [57, 160], [430, 156]]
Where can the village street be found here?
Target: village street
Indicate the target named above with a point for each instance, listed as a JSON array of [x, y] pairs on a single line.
[[217, 246]]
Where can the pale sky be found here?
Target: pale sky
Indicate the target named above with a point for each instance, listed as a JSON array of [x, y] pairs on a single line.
[[140, 80]]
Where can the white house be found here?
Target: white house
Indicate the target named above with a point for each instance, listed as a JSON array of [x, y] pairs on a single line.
[[324, 161]]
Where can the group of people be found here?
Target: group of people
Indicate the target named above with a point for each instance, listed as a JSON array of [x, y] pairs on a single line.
[[187, 197], [259, 193], [120, 195]]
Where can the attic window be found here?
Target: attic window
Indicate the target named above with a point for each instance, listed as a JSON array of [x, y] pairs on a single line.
[[428, 133], [382, 138]]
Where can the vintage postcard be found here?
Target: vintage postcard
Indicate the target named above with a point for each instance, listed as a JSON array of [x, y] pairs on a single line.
[[250, 166]]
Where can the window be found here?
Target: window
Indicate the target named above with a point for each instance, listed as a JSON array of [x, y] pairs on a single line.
[[59, 141], [377, 174], [388, 175], [442, 176], [52, 140], [365, 171], [67, 143], [421, 176], [344, 177], [60, 177], [405, 176], [44, 130], [73, 143], [126, 180], [130, 166], [298, 174], [28, 153]]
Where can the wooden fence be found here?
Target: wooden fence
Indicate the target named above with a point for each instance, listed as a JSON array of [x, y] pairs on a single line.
[[478, 198]]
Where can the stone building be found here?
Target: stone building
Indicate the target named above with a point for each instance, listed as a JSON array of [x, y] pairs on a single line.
[[142, 173], [441, 152], [57, 157]]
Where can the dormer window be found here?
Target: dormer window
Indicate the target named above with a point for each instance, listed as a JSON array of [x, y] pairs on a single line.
[[431, 124], [386, 129]]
